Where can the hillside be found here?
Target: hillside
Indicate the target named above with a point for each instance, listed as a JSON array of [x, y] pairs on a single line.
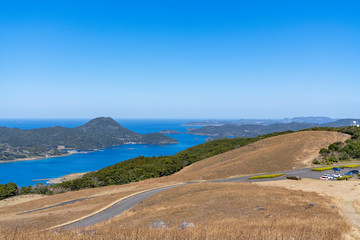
[[284, 152], [318, 120], [219, 209], [253, 130], [96, 134], [225, 205]]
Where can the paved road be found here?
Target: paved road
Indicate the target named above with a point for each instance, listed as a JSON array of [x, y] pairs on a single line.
[[117, 209], [128, 203]]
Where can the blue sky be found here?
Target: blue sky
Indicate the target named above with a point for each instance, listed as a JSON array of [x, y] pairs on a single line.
[[179, 59]]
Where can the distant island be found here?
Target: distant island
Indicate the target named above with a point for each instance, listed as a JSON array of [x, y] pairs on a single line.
[[103, 132], [317, 120], [253, 130], [170, 132]]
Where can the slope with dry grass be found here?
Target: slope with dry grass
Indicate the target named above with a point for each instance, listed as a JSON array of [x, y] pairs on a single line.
[[222, 211], [100, 197], [272, 154], [284, 152]]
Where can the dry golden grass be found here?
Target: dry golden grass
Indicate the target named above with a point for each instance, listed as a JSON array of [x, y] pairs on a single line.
[[19, 199], [58, 215], [284, 152], [219, 211]]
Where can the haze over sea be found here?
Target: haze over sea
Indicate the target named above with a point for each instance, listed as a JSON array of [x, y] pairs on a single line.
[[23, 172]]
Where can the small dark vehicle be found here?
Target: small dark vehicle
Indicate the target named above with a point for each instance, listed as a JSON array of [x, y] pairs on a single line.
[[336, 169], [354, 171], [294, 177]]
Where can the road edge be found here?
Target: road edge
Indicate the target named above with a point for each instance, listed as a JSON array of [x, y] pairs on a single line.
[[108, 206]]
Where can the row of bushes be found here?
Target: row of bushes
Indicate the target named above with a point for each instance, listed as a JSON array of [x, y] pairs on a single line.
[[345, 177], [268, 176], [320, 169]]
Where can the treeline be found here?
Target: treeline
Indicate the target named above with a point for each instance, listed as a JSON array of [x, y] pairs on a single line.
[[8, 190], [340, 151]]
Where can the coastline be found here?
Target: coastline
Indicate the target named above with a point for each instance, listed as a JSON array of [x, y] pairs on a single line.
[[36, 158]]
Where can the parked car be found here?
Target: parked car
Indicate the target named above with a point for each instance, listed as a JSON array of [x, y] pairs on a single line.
[[348, 173], [336, 169], [354, 171], [337, 175], [324, 178], [330, 177]]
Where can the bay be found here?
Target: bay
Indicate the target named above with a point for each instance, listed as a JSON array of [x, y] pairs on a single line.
[[23, 172]]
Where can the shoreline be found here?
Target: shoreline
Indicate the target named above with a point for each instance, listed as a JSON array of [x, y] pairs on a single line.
[[36, 158]]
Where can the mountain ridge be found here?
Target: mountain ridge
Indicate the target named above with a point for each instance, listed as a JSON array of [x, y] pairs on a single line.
[[253, 130], [98, 133]]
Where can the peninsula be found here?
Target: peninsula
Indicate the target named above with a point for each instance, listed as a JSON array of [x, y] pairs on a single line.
[[17, 144]]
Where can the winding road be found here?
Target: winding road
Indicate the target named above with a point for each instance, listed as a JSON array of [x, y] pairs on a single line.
[[131, 201]]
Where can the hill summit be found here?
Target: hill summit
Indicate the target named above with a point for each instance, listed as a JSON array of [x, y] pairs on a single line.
[[108, 126]]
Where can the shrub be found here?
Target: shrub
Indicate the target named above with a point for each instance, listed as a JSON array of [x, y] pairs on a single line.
[[268, 176], [345, 177], [8, 190], [323, 168], [351, 166]]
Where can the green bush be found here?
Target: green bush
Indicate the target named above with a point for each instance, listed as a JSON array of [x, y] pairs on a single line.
[[268, 176], [351, 166], [8, 190], [323, 168], [344, 177]]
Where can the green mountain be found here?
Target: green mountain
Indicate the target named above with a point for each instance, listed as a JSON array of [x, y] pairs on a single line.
[[96, 134]]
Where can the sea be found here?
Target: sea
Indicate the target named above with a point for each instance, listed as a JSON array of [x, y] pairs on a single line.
[[24, 172]]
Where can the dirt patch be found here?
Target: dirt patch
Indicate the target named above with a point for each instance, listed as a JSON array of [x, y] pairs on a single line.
[[347, 194]]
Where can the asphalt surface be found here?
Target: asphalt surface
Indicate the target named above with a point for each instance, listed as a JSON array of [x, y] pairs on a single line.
[[117, 209], [128, 203]]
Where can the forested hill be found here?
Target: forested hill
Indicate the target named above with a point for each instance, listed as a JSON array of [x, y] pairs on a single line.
[[96, 134]]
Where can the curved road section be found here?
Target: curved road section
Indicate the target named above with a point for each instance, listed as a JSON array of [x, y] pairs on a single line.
[[117, 209], [129, 202]]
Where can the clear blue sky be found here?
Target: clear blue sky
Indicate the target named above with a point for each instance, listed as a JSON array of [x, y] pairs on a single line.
[[179, 59]]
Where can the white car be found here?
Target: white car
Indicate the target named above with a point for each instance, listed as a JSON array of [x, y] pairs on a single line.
[[337, 175], [330, 177]]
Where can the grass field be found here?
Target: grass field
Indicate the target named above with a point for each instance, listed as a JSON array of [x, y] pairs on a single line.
[[275, 154], [222, 211], [217, 210]]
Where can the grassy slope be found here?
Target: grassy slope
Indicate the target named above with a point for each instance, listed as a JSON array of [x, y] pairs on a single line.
[[142, 168], [227, 211], [295, 150], [73, 211]]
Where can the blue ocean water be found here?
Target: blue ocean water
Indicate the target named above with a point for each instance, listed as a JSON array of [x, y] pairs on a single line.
[[22, 173]]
